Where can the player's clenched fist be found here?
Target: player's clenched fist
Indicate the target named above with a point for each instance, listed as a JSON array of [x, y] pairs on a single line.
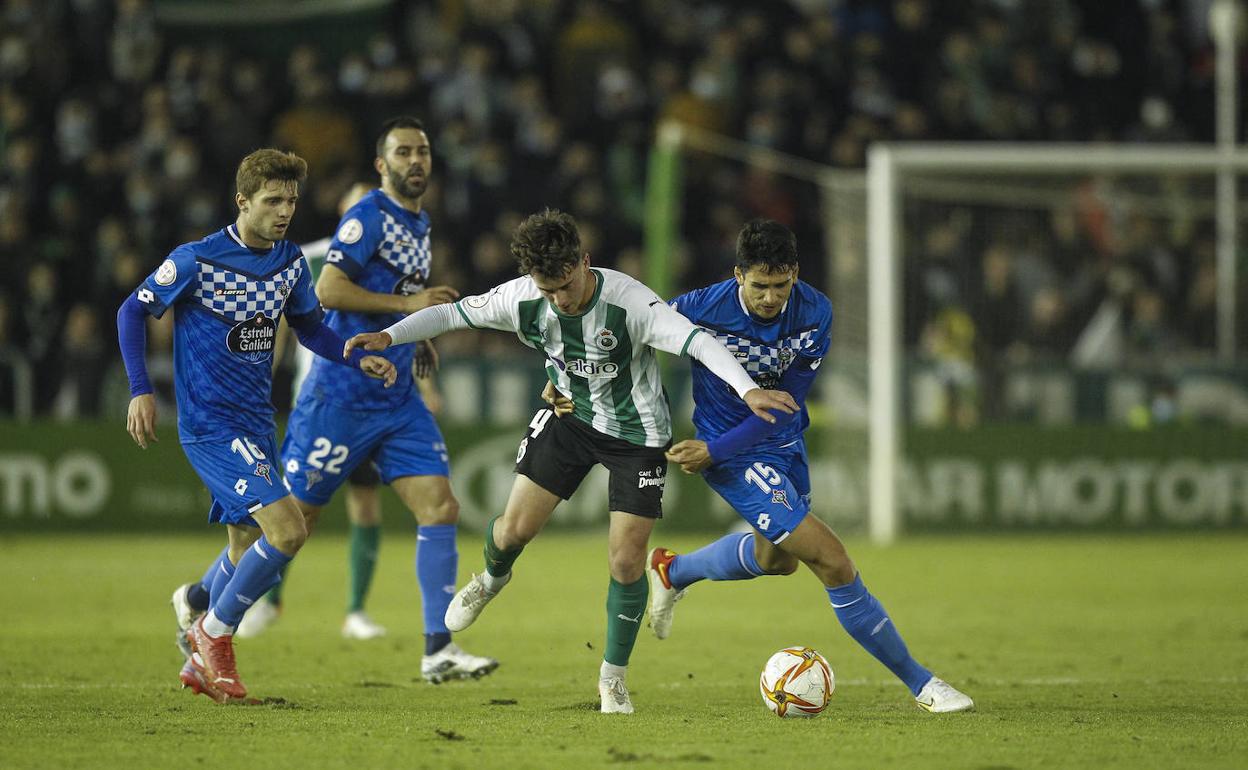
[[562, 404], [373, 341], [379, 369]]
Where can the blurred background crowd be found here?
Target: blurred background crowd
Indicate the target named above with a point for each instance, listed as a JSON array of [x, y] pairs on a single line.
[[120, 134]]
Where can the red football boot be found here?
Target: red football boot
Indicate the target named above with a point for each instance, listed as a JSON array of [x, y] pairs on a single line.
[[193, 680], [213, 658]]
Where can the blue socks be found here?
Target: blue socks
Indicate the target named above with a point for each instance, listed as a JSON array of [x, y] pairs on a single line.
[[864, 618], [199, 595], [732, 558], [729, 558], [258, 571], [437, 563], [222, 570]]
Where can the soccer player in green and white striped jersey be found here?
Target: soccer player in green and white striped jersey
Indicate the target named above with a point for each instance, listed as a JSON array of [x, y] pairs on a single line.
[[599, 330]]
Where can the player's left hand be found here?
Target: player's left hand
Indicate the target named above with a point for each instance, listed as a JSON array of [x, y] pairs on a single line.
[[562, 404], [425, 362], [761, 402], [691, 455], [379, 369]]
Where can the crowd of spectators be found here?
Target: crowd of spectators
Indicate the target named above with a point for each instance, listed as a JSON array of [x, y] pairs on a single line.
[[120, 134]]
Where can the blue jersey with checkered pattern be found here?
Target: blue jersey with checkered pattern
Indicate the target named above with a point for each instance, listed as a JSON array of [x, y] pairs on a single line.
[[765, 348], [227, 299], [384, 248]]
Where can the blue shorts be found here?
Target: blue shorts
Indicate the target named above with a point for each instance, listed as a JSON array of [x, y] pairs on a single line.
[[240, 474], [325, 443], [769, 489]]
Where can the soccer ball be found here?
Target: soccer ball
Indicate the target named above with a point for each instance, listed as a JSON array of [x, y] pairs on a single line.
[[797, 682]]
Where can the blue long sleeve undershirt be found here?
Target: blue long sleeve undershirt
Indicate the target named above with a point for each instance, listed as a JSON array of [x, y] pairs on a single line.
[[314, 335], [753, 429], [132, 337], [312, 332]]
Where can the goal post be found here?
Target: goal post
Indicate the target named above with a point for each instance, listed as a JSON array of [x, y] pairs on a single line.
[[893, 168]]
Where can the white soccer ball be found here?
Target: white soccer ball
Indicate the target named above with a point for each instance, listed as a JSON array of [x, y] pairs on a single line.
[[797, 682]]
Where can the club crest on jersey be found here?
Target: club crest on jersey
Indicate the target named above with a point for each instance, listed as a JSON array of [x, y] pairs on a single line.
[[593, 370], [780, 497], [284, 290], [605, 339], [265, 471], [252, 340], [410, 283]]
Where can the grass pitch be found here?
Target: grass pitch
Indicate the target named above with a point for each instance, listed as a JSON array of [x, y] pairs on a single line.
[[1080, 652]]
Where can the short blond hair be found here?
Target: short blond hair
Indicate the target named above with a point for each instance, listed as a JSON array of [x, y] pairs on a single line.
[[266, 165]]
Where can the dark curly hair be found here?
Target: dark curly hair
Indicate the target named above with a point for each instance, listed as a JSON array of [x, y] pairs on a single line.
[[547, 243], [767, 244]]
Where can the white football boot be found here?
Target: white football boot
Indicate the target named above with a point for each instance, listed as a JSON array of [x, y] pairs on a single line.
[[663, 596], [451, 662], [358, 625], [940, 697], [257, 619], [614, 695], [185, 615], [468, 603]]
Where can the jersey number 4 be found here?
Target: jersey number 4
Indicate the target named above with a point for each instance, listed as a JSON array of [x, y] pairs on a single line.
[[536, 426]]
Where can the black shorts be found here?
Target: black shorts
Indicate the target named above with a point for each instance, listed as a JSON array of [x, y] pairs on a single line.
[[557, 453]]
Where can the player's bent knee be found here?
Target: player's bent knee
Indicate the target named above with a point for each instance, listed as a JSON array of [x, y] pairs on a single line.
[[782, 564]]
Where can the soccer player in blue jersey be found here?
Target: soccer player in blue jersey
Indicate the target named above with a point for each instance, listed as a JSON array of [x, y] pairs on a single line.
[[228, 291], [779, 328], [375, 273]]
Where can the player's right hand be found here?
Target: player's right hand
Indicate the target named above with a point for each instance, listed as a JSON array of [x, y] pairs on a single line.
[[434, 295], [141, 419], [379, 369], [761, 402], [562, 404], [373, 341]]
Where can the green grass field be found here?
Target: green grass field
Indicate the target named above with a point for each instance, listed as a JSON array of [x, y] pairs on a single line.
[[1080, 652]]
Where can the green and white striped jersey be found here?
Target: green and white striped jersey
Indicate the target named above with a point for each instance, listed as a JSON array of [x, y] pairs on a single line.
[[604, 357]]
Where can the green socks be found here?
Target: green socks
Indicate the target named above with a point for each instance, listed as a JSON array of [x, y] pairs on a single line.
[[363, 560], [497, 561], [625, 606]]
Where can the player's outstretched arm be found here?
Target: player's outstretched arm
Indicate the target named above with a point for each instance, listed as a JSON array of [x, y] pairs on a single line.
[[314, 335], [425, 324], [337, 291], [132, 337]]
